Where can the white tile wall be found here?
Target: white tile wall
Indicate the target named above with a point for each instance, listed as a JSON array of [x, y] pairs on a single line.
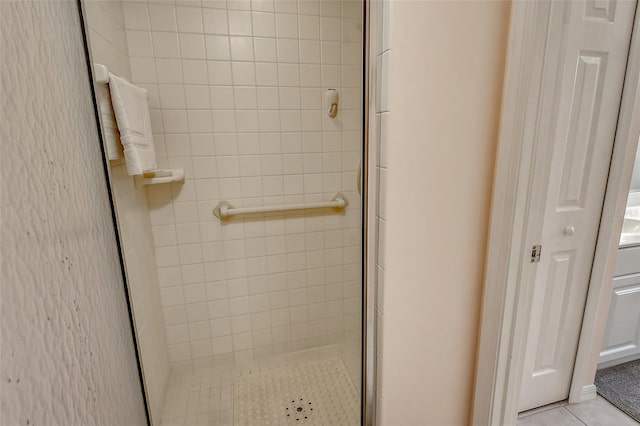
[[383, 53], [107, 36], [142, 278], [111, 47], [236, 93]]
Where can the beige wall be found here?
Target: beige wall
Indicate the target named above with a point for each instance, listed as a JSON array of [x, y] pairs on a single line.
[[67, 352], [442, 81]]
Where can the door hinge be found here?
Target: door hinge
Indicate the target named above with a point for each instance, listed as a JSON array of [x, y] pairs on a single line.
[[535, 253]]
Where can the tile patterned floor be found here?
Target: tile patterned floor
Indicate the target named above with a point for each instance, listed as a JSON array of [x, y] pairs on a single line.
[[204, 396], [597, 412], [311, 393]]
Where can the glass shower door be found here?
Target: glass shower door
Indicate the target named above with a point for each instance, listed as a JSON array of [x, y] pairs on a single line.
[[242, 245]]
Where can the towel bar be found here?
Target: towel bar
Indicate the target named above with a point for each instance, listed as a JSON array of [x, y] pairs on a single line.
[[224, 209]]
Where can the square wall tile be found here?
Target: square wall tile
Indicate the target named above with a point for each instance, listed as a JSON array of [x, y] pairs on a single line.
[[219, 72], [217, 47], [215, 21], [192, 46], [286, 25], [264, 24], [136, 16], [139, 43], [240, 22], [241, 48], [162, 17], [189, 19]]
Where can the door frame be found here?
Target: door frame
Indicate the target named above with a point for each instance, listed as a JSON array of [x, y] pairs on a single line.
[[514, 228]]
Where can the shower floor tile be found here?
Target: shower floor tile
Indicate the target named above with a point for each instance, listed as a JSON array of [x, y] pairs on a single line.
[[312, 393], [205, 396]]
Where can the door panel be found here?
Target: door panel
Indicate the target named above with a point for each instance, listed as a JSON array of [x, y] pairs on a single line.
[[600, 10], [593, 53], [587, 99], [621, 341], [549, 338], [623, 332]]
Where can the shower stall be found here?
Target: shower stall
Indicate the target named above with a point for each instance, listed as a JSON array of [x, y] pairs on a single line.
[[243, 247]]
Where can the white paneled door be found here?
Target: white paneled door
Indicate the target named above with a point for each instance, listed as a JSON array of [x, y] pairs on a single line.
[[585, 82]]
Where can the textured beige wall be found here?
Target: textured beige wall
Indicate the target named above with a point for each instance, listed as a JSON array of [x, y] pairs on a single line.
[[442, 80], [67, 355]]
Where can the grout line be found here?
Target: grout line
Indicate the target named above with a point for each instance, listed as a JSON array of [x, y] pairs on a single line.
[[574, 416]]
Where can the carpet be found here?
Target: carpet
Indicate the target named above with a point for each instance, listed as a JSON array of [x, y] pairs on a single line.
[[620, 385]]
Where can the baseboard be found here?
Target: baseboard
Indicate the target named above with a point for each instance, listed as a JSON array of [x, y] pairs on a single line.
[[588, 392]]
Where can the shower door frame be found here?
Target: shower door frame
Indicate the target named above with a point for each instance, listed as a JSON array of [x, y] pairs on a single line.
[[371, 10], [502, 331], [371, 26], [371, 29]]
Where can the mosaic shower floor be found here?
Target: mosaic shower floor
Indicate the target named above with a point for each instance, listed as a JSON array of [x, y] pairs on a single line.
[[315, 386]]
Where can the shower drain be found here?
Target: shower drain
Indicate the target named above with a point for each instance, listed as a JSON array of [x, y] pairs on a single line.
[[299, 410]]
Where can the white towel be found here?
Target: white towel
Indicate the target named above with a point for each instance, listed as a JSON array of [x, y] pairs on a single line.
[[131, 108], [111, 135]]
